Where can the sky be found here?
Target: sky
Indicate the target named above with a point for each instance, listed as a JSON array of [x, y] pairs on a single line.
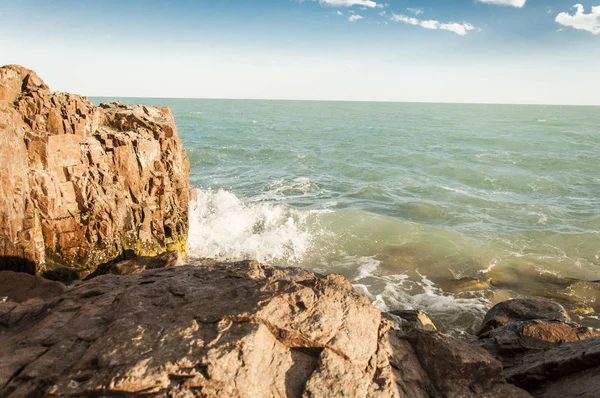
[[473, 51]]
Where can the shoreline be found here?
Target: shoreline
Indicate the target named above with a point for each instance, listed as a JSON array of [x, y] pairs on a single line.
[[99, 196]]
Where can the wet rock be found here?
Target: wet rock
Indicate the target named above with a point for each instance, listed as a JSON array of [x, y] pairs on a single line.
[[82, 184], [18, 287], [522, 310], [511, 342], [544, 355], [228, 330], [560, 365]]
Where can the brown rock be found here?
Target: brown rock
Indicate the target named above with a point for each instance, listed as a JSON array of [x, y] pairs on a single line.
[[82, 184], [431, 364], [19, 287], [139, 264], [538, 368], [522, 310], [229, 330]]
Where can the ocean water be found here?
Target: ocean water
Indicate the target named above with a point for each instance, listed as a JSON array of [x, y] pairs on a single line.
[[447, 208]]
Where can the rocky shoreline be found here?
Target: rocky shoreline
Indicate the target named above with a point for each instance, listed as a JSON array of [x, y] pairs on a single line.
[[98, 196]]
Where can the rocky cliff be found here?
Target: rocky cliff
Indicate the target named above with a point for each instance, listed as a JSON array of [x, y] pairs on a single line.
[[82, 185]]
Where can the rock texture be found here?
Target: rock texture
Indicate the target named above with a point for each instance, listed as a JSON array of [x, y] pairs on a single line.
[[541, 349], [82, 184], [229, 330]]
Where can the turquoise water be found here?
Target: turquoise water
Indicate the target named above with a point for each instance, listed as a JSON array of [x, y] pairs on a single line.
[[444, 207]]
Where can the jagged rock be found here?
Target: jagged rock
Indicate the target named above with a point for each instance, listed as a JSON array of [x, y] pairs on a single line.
[[82, 184], [522, 310], [229, 330], [233, 330], [19, 287]]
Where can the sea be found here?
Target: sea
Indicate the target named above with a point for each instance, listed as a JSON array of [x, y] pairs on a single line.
[[444, 208]]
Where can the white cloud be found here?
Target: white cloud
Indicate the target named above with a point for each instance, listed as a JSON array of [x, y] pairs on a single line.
[[512, 3], [580, 20], [354, 18], [415, 11], [340, 13], [348, 3], [458, 28]]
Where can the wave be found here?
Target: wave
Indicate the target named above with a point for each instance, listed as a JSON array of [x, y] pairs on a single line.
[[224, 227], [396, 263]]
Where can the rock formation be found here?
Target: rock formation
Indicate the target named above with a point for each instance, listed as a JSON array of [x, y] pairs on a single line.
[[541, 349], [229, 330], [82, 185]]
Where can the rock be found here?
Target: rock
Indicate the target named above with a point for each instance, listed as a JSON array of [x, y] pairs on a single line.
[[522, 310], [228, 330], [19, 287], [408, 320], [536, 369], [431, 364], [83, 185], [585, 384], [543, 355], [139, 264], [511, 342]]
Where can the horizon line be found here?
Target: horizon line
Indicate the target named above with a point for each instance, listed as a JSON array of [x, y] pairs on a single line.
[[341, 100]]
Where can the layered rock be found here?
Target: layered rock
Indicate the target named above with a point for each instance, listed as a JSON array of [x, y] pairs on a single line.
[[229, 330], [82, 184], [541, 349]]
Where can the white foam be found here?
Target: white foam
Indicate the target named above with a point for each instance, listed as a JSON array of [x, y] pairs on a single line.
[[224, 227], [299, 187]]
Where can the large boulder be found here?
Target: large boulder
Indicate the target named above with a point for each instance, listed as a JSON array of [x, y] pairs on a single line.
[[229, 330], [82, 185]]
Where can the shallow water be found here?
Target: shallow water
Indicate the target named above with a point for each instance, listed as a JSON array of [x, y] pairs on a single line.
[[443, 207]]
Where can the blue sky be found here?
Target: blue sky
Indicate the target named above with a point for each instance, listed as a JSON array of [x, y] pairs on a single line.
[[435, 51]]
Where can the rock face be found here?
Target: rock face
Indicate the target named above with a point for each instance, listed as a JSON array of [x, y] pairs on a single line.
[[82, 184], [229, 330]]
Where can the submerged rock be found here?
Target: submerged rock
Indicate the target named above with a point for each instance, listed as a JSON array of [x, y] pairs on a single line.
[[229, 330], [81, 184]]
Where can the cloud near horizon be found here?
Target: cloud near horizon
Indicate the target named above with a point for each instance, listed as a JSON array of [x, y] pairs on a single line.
[[348, 3], [355, 17], [580, 20], [460, 29], [510, 3]]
